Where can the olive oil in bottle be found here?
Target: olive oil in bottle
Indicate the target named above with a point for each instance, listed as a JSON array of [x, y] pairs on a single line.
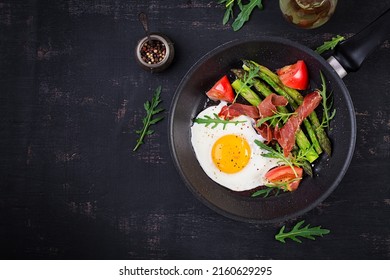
[[307, 13]]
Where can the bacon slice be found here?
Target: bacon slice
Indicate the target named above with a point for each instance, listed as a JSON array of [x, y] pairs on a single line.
[[286, 135], [266, 132], [237, 109], [267, 107]]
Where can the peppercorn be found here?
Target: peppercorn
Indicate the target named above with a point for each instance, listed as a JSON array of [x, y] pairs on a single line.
[[153, 52]]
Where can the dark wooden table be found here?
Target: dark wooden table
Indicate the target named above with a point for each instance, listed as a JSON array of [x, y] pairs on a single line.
[[71, 98]]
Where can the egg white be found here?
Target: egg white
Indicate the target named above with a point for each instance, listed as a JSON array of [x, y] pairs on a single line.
[[203, 138]]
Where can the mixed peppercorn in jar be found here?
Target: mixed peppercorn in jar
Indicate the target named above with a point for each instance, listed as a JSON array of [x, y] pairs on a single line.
[[155, 53]]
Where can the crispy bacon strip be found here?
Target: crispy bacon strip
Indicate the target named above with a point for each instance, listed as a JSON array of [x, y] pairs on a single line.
[[267, 107], [286, 135]]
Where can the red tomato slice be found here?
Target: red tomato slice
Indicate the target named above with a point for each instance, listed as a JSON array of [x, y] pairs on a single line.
[[222, 90], [295, 75], [283, 174]]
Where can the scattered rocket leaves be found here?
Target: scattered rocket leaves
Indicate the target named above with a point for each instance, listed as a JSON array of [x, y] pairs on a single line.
[[228, 10], [298, 231], [244, 14], [151, 108], [329, 45]]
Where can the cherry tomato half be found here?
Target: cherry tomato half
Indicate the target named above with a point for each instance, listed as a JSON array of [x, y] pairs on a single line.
[[285, 174], [222, 90], [295, 75]]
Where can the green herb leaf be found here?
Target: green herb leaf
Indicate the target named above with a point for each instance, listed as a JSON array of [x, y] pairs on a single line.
[[268, 190], [305, 232], [330, 45], [157, 111], [247, 81], [229, 10], [207, 120], [263, 192], [327, 104], [278, 117], [156, 120], [151, 110], [245, 11]]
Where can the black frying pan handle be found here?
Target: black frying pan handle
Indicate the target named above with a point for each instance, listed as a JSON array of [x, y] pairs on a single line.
[[352, 52]]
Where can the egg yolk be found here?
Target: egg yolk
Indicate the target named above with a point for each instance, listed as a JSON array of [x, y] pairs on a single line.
[[231, 153]]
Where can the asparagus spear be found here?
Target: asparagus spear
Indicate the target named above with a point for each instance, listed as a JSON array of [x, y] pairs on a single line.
[[319, 130], [298, 98], [275, 84], [295, 95], [246, 92]]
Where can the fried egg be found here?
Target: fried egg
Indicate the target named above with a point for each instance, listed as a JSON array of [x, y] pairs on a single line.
[[228, 154]]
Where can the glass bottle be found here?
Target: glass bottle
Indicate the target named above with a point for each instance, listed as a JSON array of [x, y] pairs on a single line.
[[307, 13]]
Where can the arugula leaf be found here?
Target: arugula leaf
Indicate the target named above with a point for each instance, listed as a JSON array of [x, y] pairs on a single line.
[[229, 10], [245, 11], [271, 187], [248, 80], [150, 119], [263, 192], [207, 120], [276, 118], [305, 232], [329, 45], [327, 115]]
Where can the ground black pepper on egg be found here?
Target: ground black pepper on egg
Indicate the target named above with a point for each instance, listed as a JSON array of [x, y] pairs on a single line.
[[153, 52]]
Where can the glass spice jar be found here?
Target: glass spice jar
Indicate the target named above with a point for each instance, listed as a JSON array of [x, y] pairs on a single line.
[[154, 52], [307, 13]]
